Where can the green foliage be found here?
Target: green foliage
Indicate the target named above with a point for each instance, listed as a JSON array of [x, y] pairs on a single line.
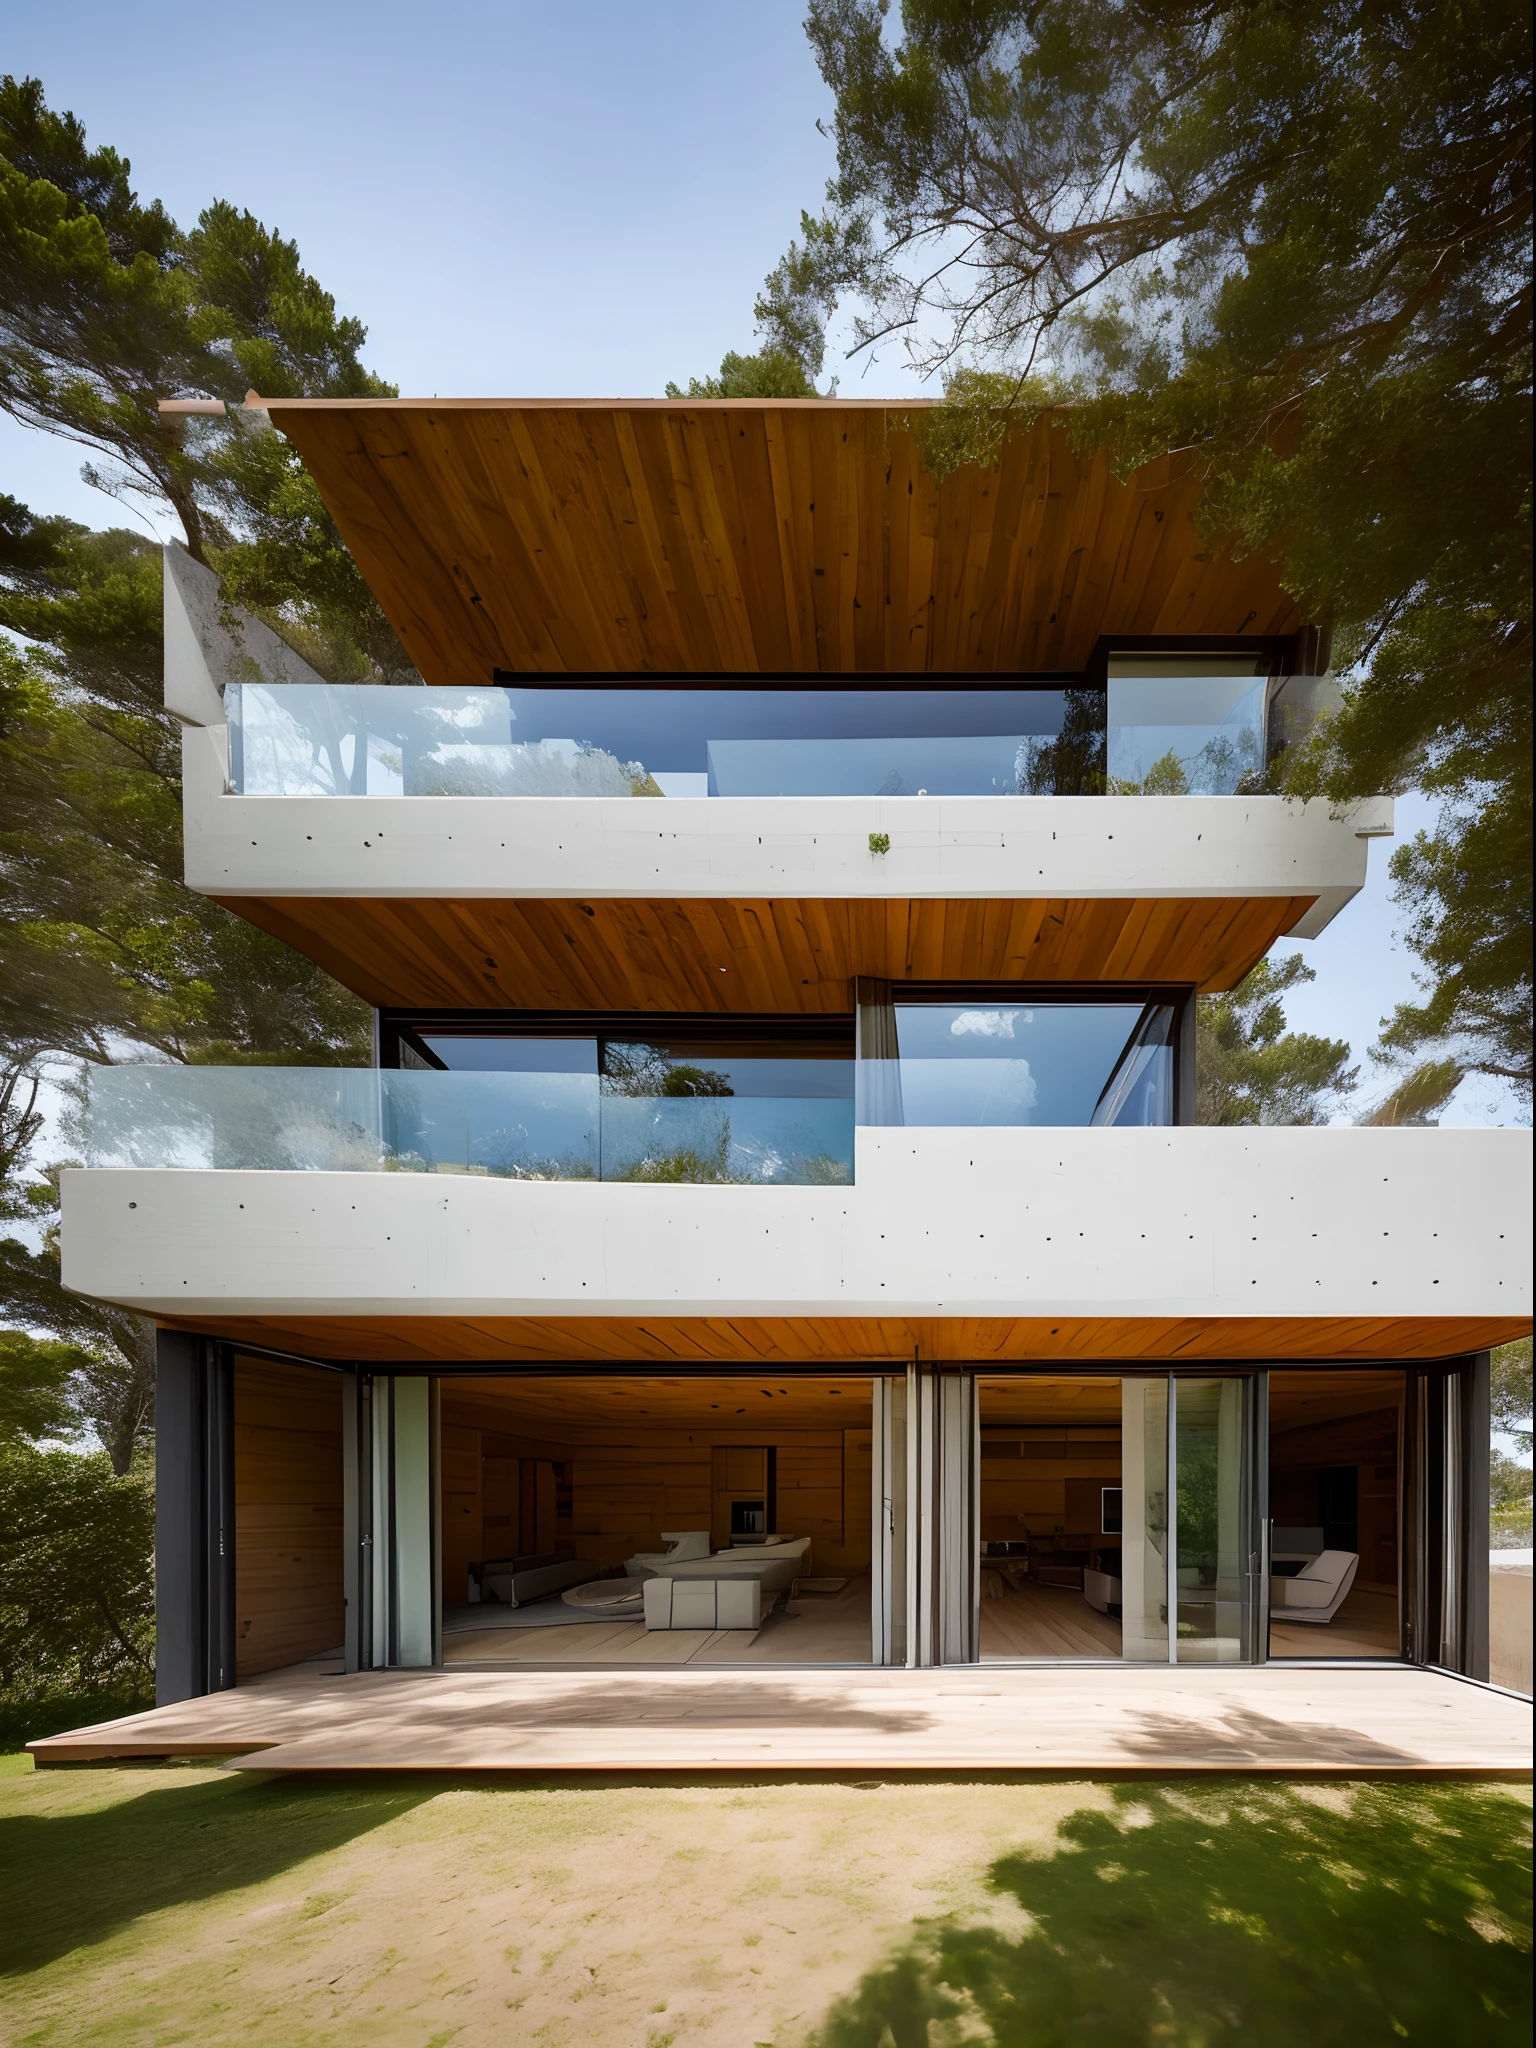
[[1292, 242], [76, 1575], [774, 373], [1510, 1376], [1415, 1099], [1239, 1912], [981, 409], [1509, 1503], [879, 842], [107, 306], [1250, 1070], [35, 1375], [102, 941]]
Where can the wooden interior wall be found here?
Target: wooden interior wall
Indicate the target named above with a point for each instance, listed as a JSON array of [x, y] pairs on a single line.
[[1369, 1443], [289, 1598], [1046, 1480], [627, 1489], [463, 1508], [786, 956]]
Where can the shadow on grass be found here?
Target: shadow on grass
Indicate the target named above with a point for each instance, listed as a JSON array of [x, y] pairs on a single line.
[[1234, 1913], [69, 1879]]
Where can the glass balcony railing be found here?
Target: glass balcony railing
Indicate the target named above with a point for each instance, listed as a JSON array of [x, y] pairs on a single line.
[[1161, 726], [526, 1125], [761, 1112], [1184, 726], [370, 740]]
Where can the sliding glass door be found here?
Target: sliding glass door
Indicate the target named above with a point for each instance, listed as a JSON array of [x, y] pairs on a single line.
[[1214, 1555], [1121, 1517]]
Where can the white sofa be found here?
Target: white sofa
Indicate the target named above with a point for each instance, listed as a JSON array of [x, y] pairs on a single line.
[[678, 1602], [775, 1563], [681, 1544], [1318, 1590]]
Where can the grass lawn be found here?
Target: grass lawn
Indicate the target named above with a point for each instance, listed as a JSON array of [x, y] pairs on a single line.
[[205, 1906]]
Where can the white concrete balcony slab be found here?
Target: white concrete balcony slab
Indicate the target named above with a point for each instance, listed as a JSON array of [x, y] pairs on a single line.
[[750, 848], [1014, 1242]]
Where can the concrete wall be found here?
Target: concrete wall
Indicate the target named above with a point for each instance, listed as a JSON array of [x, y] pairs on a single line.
[[755, 847], [1192, 1222]]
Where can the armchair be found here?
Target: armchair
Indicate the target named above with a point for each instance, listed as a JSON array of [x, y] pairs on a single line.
[[1317, 1592]]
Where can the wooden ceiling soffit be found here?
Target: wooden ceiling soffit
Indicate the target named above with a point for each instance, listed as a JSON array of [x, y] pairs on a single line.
[[730, 537], [842, 1342], [719, 956]]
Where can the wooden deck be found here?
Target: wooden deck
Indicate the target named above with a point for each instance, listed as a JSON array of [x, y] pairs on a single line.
[[961, 1721]]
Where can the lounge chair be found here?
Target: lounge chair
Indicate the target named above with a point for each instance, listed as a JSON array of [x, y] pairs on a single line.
[[1317, 1592]]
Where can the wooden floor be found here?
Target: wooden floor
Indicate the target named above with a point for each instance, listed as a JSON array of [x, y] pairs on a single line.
[[1365, 1626], [810, 1630], [1030, 1620], [687, 1718]]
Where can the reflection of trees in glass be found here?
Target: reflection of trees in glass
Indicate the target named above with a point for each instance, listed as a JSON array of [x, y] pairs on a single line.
[[692, 1163], [1071, 764], [1509, 1481], [1199, 1527], [1157, 1521], [647, 1070], [528, 768], [1224, 766]]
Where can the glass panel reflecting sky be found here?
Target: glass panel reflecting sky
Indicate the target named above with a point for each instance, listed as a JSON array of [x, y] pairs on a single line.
[[367, 739], [504, 1123], [1023, 1063]]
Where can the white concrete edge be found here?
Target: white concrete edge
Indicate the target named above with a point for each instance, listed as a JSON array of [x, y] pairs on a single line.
[[1251, 1225], [941, 848]]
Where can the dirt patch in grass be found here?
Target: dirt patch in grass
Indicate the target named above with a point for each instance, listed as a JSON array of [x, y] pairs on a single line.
[[160, 1906]]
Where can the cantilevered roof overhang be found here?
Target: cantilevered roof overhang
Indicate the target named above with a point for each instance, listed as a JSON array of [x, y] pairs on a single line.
[[737, 537]]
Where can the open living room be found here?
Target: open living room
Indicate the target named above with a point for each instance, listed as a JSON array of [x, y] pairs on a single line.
[[628, 1520]]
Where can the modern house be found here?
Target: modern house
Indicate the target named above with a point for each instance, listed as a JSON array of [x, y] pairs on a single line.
[[776, 1229]]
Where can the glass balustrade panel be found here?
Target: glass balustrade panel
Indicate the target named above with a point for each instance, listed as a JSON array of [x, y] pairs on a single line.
[[1185, 726], [372, 740], [1048, 1064], [561, 1121]]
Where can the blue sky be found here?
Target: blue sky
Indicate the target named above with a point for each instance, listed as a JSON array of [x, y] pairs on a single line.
[[523, 200]]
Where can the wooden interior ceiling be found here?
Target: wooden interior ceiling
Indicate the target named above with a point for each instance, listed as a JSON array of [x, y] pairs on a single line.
[[763, 956], [1298, 1399], [736, 537], [1050, 1400], [583, 1401], [840, 1342]]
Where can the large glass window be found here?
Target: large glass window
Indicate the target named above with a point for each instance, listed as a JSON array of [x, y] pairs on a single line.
[[1185, 725], [1016, 1062]]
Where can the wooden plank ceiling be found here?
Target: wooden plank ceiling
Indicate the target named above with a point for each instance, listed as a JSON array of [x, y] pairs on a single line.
[[572, 1404], [836, 1342], [781, 956], [736, 537]]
